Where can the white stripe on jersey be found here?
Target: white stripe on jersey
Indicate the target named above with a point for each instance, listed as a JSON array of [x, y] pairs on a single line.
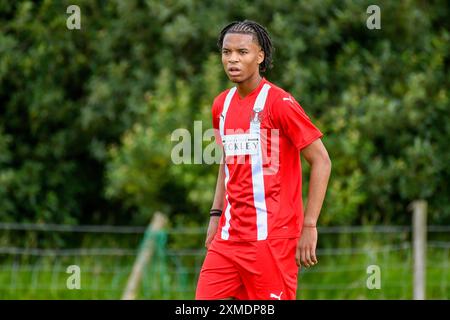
[[259, 195], [257, 168], [225, 235], [226, 105]]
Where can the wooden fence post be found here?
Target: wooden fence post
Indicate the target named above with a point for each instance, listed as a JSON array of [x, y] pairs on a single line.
[[419, 208], [144, 256]]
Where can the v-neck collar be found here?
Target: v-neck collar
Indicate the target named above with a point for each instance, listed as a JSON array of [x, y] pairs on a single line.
[[254, 91]]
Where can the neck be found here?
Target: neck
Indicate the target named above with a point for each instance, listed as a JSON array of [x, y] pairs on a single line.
[[247, 86]]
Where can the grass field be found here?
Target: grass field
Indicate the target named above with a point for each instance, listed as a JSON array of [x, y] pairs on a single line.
[[340, 274]]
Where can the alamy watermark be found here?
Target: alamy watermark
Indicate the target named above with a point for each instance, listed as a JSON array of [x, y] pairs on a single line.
[[374, 279], [240, 147], [374, 20], [74, 20], [74, 280]]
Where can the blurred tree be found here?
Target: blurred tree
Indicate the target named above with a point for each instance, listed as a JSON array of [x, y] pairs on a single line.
[[86, 115]]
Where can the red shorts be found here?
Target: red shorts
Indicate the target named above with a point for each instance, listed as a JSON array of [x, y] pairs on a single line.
[[257, 270]]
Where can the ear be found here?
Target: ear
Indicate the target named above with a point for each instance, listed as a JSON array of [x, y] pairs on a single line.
[[261, 56]]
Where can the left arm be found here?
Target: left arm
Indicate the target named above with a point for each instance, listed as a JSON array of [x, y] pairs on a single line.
[[317, 156]]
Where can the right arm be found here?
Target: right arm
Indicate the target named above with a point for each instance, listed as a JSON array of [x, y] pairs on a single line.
[[217, 204]]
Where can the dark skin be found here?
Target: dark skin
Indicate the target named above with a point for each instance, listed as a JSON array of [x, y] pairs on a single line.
[[243, 53]]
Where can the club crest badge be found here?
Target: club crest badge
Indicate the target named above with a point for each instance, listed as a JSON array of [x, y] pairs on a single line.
[[257, 116]]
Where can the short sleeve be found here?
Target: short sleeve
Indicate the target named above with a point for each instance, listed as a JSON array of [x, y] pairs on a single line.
[[288, 116]]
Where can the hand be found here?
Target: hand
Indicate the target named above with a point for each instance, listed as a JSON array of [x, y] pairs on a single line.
[[306, 247], [212, 229]]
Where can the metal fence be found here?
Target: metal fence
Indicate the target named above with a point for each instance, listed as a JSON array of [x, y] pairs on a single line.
[[36, 260]]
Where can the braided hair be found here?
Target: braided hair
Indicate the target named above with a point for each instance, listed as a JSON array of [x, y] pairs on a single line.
[[258, 32]]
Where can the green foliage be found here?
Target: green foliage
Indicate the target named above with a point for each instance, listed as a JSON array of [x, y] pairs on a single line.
[[86, 116]]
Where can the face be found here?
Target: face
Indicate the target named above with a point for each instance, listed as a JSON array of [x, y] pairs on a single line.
[[241, 56]]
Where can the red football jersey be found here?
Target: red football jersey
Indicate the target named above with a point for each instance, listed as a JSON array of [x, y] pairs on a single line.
[[262, 135]]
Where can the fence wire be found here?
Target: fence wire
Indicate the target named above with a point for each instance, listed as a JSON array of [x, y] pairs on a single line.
[[35, 261]]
